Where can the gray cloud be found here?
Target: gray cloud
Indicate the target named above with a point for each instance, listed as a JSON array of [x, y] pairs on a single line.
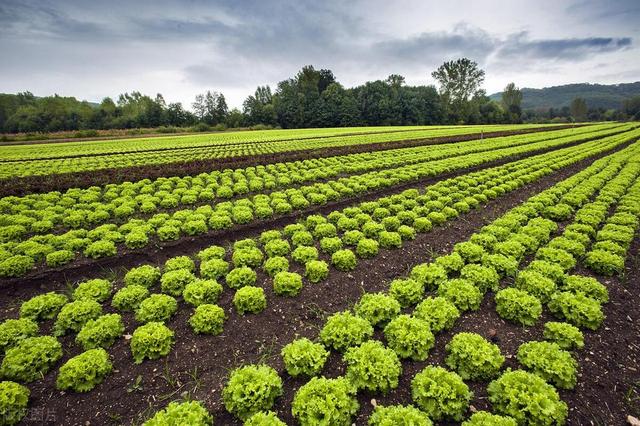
[[183, 47]]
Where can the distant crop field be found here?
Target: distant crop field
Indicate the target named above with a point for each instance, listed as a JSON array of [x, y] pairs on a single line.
[[375, 275]]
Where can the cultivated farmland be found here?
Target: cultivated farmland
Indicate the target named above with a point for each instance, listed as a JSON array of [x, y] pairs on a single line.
[[474, 275]]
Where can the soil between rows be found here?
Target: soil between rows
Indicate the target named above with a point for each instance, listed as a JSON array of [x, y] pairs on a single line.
[[259, 338], [34, 184], [158, 252]]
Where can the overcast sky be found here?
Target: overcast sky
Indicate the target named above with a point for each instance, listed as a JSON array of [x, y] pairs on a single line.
[[91, 49]]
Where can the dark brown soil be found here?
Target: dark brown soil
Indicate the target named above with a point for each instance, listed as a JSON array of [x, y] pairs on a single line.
[[197, 366], [60, 182]]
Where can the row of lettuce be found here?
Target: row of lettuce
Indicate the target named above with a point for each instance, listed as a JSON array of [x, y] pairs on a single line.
[[493, 255], [53, 250], [78, 208], [76, 159], [28, 356]]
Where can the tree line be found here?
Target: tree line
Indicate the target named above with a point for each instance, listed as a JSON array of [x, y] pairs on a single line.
[[312, 98]]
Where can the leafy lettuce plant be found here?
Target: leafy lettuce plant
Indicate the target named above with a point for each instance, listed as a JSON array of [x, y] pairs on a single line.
[[156, 308], [398, 415], [97, 289], [409, 337], [152, 340], [12, 331], [30, 359], [377, 308], [251, 389], [264, 418], [440, 393], [287, 283], [473, 357], [484, 418], [14, 399], [373, 367], [566, 336], [249, 299], [344, 260], [201, 291], [326, 402], [343, 330], [101, 332], [527, 398], [550, 362], [207, 319], [438, 312], [578, 309], [43, 307], [518, 306], [303, 357], [191, 413], [462, 293], [406, 291], [128, 298], [85, 371], [73, 316], [316, 270], [145, 275]]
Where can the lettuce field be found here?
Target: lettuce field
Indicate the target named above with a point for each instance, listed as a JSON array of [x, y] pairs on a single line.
[[473, 275]]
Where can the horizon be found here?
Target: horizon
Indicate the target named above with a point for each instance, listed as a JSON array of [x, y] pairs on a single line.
[[180, 49]]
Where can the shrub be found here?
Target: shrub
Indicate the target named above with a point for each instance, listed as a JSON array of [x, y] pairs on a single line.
[[251, 389], [438, 312], [604, 262], [200, 292], [101, 332], [461, 293], [85, 371], [536, 284], [406, 291], [325, 401], [377, 308], [152, 340], [521, 395], [304, 254], [30, 359], [129, 298], [207, 319], [330, 245], [249, 299], [390, 240], [212, 252], [429, 274], [518, 306], [59, 258], [440, 393], [373, 367], [74, 315], [43, 307], [483, 418], [344, 260], [409, 337], [181, 413], [14, 399], [156, 308], [367, 248], [473, 357], [98, 290], [470, 252], [287, 283], [213, 269], [578, 309], [316, 270], [398, 415], [484, 277], [12, 331], [100, 249], [303, 357], [268, 418], [588, 286], [241, 277], [548, 361], [16, 266], [145, 275], [174, 282], [343, 330]]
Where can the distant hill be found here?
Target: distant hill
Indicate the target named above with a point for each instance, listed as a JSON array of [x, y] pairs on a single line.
[[608, 96]]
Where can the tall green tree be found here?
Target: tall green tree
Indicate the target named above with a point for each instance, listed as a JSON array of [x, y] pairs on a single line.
[[459, 81], [211, 107], [579, 109], [511, 101]]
